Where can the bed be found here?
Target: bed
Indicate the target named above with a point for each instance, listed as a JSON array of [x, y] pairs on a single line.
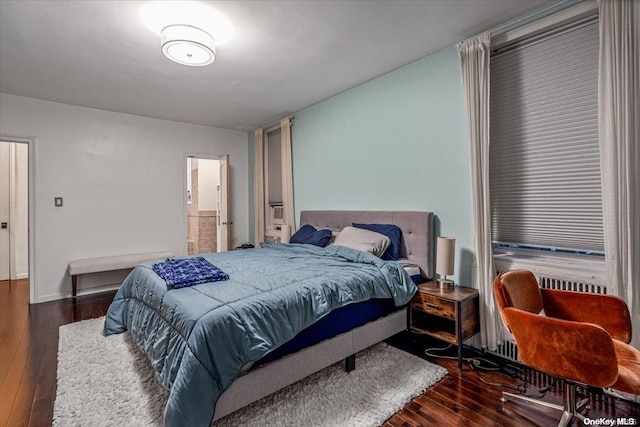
[[200, 338]]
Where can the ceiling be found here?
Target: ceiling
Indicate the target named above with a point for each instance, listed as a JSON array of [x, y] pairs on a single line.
[[284, 55]]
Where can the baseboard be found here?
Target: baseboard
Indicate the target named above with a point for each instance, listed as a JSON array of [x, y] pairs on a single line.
[[81, 292], [22, 276]]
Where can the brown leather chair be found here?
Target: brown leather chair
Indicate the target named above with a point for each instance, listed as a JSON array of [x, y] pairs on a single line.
[[579, 337]]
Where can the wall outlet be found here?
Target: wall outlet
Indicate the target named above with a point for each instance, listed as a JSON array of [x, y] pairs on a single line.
[[57, 202]]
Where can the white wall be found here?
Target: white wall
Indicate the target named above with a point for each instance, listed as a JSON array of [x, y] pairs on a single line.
[[122, 178]]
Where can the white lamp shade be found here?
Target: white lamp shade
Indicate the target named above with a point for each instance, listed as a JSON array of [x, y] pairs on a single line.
[[445, 252]]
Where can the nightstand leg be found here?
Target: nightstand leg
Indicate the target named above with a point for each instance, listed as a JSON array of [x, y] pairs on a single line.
[[459, 334]]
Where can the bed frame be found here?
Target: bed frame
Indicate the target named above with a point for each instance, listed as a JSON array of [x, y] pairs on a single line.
[[417, 246]]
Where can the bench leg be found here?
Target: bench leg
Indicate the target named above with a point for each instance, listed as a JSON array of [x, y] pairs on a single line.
[[74, 286]]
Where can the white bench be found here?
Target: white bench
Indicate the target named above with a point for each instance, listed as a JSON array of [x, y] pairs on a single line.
[[109, 263]]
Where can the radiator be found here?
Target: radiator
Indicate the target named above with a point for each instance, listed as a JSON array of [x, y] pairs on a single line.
[[508, 350], [566, 285]]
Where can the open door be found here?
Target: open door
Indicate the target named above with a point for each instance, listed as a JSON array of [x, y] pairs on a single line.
[[224, 203], [4, 212]]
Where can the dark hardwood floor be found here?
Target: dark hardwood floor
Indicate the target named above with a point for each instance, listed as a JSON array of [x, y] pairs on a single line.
[[28, 362], [29, 350]]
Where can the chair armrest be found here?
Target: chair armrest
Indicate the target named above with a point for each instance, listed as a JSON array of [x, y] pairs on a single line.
[[608, 311], [576, 351]]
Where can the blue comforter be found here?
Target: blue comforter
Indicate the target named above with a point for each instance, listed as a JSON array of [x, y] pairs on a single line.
[[198, 338]]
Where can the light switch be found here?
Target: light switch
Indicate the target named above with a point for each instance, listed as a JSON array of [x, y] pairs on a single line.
[[57, 201]]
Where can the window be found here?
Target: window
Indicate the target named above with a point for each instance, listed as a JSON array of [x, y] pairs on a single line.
[[273, 167], [273, 182], [544, 159]]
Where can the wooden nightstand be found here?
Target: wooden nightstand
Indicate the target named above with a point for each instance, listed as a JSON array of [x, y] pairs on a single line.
[[447, 314]]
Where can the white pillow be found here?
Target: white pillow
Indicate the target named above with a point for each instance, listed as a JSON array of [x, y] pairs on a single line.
[[363, 240]]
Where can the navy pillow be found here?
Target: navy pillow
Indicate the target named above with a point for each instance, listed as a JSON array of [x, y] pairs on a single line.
[[309, 235], [394, 234], [417, 279]]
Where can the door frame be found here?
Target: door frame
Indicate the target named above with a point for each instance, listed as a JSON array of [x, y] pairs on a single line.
[[185, 222], [32, 209]]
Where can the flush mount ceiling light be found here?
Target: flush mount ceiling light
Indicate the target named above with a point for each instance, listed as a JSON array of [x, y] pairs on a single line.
[[187, 29], [188, 45]]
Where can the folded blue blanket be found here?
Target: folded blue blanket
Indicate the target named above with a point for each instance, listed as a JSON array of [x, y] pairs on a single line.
[[180, 273]]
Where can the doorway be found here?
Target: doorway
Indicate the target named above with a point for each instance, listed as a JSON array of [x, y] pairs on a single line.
[[207, 197], [14, 211]]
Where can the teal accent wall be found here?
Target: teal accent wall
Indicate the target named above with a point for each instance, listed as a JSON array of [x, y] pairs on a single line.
[[398, 142]]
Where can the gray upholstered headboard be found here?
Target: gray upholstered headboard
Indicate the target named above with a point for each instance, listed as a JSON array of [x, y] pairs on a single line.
[[417, 230]]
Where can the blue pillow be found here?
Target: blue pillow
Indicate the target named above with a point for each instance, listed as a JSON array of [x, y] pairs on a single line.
[[309, 235], [417, 279], [394, 234]]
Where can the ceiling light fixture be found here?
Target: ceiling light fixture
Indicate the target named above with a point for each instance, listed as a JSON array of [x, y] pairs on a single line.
[[188, 45]]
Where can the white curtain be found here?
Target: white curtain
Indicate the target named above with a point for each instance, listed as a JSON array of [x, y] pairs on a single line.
[[474, 58], [617, 115], [287, 175], [258, 186]]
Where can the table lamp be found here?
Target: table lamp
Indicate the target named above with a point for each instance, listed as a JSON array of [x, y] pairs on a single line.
[[445, 260]]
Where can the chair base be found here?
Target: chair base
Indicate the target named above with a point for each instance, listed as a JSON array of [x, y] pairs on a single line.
[[569, 410]]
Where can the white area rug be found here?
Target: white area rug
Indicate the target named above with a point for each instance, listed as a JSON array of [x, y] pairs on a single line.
[[107, 381]]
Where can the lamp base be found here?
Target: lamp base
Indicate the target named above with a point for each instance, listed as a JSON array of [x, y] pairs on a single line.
[[445, 284]]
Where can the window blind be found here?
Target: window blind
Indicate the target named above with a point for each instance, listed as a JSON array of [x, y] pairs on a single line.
[[274, 167], [544, 154]]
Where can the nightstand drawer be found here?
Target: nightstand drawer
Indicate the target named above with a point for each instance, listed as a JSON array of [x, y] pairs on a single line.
[[434, 305]]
